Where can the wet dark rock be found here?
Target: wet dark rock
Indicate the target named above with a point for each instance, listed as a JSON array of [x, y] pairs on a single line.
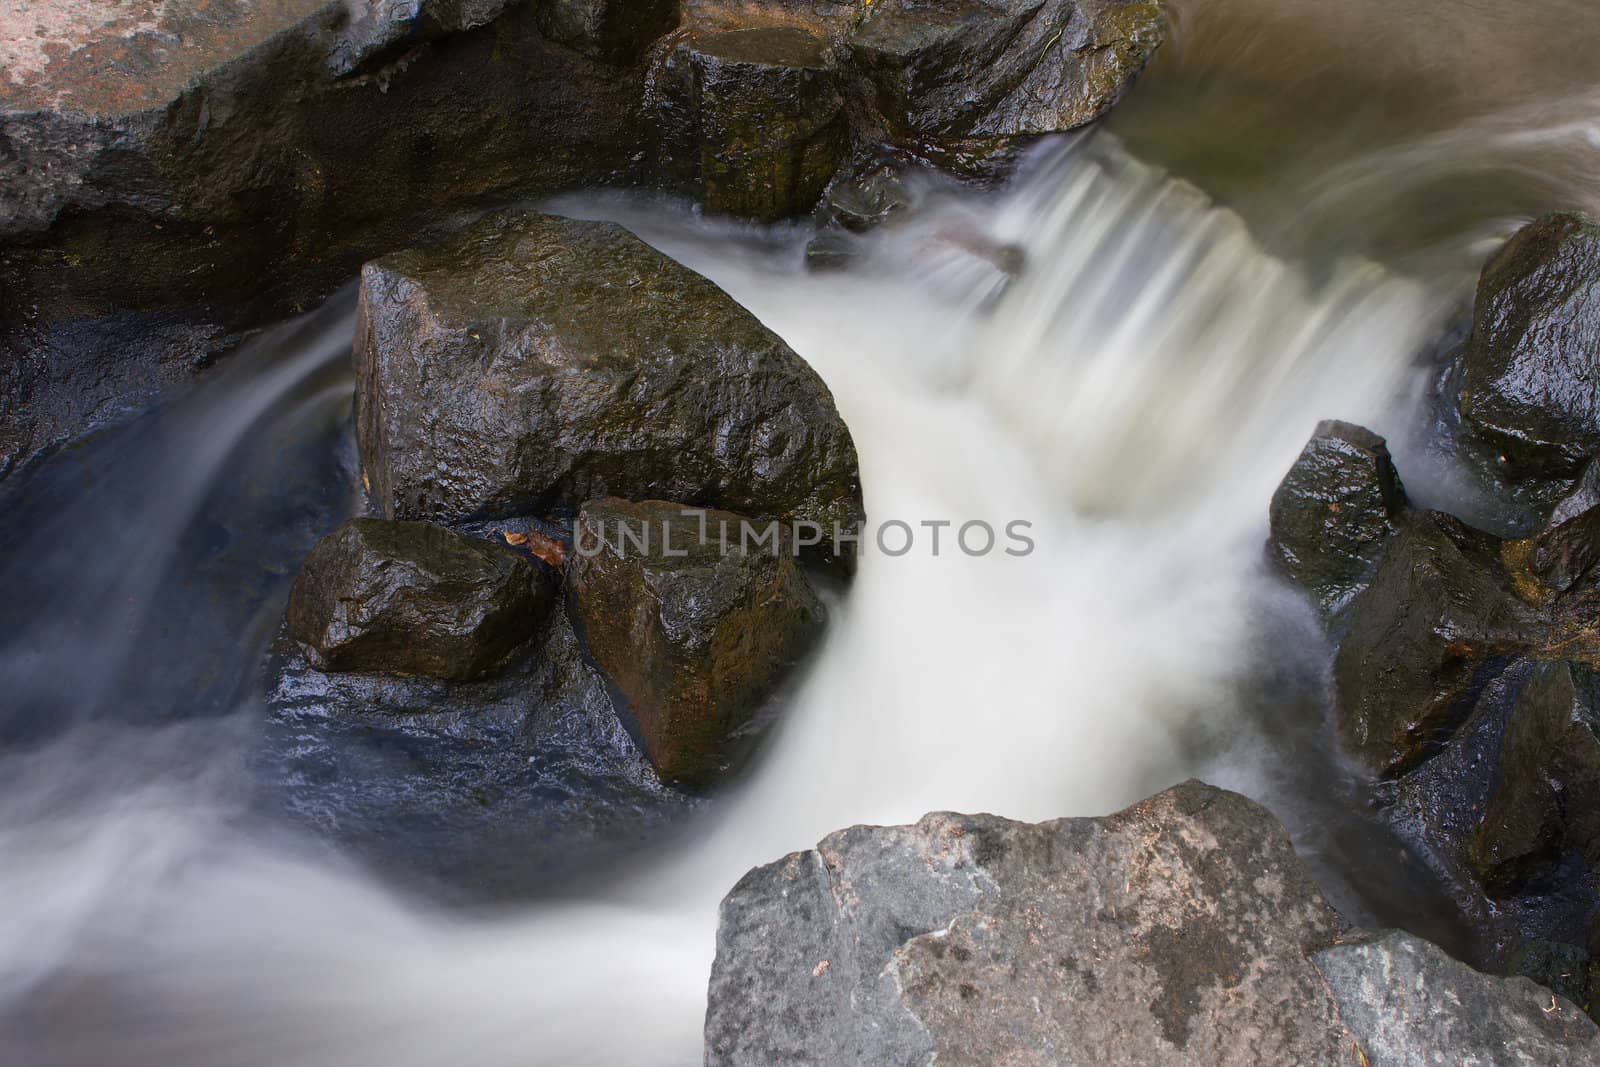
[[414, 598], [753, 118], [531, 363], [1560, 559], [866, 197], [1409, 1003], [1584, 495], [617, 31], [1562, 969], [1529, 379], [1544, 810], [1334, 511], [694, 636], [216, 161], [1439, 619], [229, 163], [1182, 930], [963, 80]]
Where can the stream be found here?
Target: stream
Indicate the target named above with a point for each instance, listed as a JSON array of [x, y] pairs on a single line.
[[1275, 228]]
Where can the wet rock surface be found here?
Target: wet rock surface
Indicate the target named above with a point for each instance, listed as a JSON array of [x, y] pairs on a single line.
[[531, 363], [414, 598], [1333, 512], [1528, 379], [1439, 619], [694, 637], [224, 164], [1181, 930]]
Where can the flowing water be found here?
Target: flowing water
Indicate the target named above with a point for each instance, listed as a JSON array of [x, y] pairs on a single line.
[[1189, 307]]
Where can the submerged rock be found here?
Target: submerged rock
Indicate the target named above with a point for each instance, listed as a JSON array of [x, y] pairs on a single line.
[[1182, 930], [413, 598], [694, 636], [531, 363], [1529, 377], [1439, 619], [1334, 511]]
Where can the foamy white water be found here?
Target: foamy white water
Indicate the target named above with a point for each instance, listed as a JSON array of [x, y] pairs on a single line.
[[1134, 396]]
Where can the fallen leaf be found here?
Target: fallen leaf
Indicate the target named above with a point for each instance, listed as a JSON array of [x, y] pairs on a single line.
[[515, 538]]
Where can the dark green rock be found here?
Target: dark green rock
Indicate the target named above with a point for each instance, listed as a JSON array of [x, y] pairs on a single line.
[[414, 598], [1529, 381], [531, 363], [1439, 618], [694, 642], [1334, 511]]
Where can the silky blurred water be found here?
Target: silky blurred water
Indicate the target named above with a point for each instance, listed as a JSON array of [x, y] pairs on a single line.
[[1189, 305]]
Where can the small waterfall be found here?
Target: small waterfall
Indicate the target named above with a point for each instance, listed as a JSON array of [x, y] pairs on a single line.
[[1151, 364]]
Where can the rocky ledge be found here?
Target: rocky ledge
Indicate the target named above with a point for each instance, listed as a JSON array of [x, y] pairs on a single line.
[[173, 172], [1465, 673], [1182, 930]]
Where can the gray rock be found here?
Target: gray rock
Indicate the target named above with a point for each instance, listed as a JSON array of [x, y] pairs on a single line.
[[1183, 930], [1334, 511], [1410, 1005], [531, 363], [414, 598], [693, 635], [1175, 932], [1529, 380]]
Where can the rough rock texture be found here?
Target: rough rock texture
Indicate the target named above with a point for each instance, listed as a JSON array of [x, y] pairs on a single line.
[[957, 84], [531, 363], [226, 163], [1529, 378], [1410, 1005], [1183, 930], [413, 598], [1175, 932], [1544, 811], [693, 636], [199, 167], [753, 119], [1333, 512], [1439, 619]]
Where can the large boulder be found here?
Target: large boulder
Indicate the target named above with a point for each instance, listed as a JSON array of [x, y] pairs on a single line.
[[694, 628], [1439, 619], [414, 598], [1182, 930], [1529, 377], [1334, 511], [531, 363]]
